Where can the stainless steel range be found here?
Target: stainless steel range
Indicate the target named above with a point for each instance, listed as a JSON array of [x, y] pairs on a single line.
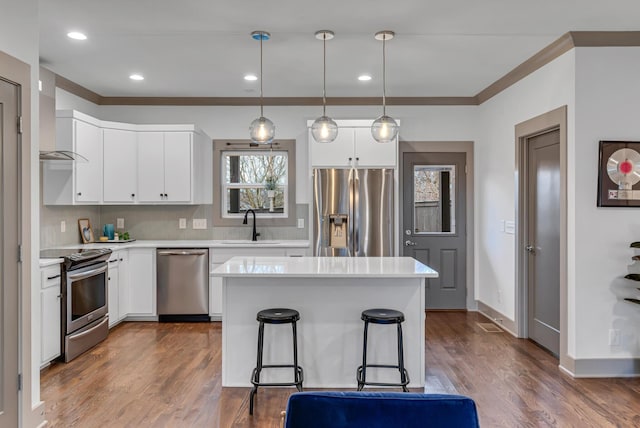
[[84, 289]]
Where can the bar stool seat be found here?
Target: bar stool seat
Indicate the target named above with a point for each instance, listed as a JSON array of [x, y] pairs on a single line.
[[275, 316], [382, 316]]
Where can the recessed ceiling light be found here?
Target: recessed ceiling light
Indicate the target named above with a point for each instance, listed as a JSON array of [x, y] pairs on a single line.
[[136, 77], [76, 35], [364, 78], [250, 77]]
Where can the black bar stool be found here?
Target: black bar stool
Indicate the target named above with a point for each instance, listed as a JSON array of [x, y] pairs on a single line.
[[276, 316], [382, 316]]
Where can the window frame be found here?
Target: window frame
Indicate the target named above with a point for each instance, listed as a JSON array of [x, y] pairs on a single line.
[[220, 217]]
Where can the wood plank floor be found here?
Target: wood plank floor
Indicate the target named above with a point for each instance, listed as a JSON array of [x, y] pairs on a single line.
[[169, 375]]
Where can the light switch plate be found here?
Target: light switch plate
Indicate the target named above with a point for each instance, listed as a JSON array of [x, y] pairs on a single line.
[[120, 223], [510, 227], [182, 223], [300, 223], [199, 223], [63, 226]]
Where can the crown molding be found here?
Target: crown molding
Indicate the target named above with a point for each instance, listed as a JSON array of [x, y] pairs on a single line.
[[563, 44]]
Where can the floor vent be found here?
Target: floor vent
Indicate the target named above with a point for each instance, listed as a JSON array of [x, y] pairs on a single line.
[[489, 327]]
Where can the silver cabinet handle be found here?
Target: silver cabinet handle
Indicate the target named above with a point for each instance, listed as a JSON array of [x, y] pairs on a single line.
[[409, 243]]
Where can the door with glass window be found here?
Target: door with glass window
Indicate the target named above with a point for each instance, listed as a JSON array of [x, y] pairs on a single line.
[[434, 223]]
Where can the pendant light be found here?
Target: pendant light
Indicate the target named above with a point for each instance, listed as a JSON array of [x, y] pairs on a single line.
[[261, 130], [384, 129], [324, 129]]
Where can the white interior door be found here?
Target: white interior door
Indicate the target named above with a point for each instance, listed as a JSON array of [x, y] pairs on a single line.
[[9, 241]]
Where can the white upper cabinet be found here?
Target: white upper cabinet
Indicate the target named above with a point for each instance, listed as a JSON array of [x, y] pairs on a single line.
[[120, 161], [354, 147], [129, 164], [79, 182]]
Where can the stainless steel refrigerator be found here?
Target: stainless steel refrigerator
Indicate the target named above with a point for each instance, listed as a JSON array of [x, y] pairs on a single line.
[[353, 212]]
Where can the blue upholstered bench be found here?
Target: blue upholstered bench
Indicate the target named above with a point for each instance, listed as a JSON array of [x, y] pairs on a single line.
[[379, 409]]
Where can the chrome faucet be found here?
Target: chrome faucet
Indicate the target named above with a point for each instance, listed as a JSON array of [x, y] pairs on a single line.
[[254, 235]]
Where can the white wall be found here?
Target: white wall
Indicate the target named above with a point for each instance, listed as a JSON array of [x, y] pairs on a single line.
[[548, 88], [19, 35], [607, 108]]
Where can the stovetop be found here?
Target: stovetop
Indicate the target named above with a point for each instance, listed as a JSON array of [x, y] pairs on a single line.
[[74, 254]]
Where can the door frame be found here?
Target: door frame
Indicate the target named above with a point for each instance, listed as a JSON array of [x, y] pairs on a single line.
[[29, 404], [554, 119], [444, 147]]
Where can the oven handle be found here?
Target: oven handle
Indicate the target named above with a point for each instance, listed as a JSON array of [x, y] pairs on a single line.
[[87, 274]]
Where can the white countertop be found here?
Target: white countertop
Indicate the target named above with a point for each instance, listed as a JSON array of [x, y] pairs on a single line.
[[195, 243], [328, 267], [50, 262]]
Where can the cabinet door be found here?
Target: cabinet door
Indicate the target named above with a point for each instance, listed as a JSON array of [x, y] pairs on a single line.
[[370, 153], [123, 284], [88, 175], [338, 153], [50, 323], [150, 166], [215, 294], [120, 166], [142, 281], [113, 295], [177, 166]]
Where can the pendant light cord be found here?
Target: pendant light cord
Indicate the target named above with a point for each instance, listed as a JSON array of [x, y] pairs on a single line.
[[384, 78], [324, 74], [261, 103]]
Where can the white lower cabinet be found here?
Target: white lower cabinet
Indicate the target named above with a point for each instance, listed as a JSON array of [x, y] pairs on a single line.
[[118, 286], [50, 295], [142, 282]]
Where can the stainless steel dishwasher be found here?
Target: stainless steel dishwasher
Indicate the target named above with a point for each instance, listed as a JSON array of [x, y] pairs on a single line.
[[183, 284]]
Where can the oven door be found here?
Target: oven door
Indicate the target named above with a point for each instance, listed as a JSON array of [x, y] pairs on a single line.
[[86, 295]]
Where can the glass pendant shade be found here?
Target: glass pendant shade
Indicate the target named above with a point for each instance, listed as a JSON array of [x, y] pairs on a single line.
[[384, 129], [262, 130], [324, 129]]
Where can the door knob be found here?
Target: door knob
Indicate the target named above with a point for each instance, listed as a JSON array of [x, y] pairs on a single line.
[[409, 243], [531, 249]]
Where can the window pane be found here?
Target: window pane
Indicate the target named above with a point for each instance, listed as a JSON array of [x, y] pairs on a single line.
[[255, 167], [434, 198], [257, 199]]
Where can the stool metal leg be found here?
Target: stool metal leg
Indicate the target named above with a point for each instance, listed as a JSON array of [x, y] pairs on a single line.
[[401, 359], [256, 371], [363, 378], [296, 370]]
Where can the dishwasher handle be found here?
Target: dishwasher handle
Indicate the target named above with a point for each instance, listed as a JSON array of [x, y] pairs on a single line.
[[182, 252]]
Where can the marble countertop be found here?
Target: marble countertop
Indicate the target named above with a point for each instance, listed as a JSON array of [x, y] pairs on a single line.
[[195, 243], [50, 262], [328, 267]]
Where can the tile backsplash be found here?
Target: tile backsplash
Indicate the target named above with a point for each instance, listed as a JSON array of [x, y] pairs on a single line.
[[154, 222]]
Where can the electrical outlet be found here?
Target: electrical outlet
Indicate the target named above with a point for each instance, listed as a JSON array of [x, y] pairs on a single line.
[[63, 226], [120, 223], [199, 223], [614, 337], [182, 223], [300, 223]]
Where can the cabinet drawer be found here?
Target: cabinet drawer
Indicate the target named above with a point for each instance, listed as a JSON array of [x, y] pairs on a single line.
[[50, 276]]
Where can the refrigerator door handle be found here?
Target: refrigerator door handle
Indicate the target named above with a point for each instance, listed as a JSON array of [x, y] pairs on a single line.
[[354, 186]]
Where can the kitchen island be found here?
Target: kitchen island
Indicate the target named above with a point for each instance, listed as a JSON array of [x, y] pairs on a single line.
[[330, 293]]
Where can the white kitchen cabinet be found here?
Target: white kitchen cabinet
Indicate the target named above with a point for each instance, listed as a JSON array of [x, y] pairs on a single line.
[[142, 283], [120, 166], [123, 284], [165, 167], [50, 295], [113, 290], [78, 182], [354, 147]]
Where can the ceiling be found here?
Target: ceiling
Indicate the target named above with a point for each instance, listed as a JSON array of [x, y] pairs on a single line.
[[197, 48]]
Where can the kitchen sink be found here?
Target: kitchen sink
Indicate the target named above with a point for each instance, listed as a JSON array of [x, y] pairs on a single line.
[[249, 242]]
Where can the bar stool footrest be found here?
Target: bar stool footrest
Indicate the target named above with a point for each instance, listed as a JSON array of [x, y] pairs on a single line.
[[387, 366]]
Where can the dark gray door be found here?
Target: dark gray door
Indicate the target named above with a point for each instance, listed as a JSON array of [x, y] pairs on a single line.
[[9, 239], [434, 223], [543, 233]]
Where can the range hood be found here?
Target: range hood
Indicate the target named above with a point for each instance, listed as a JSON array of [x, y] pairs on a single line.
[[61, 155]]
